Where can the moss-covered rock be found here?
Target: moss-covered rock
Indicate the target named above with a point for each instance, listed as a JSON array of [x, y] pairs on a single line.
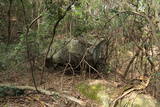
[[96, 90], [104, 93], [91, 91], [10, 91], [138, 100]]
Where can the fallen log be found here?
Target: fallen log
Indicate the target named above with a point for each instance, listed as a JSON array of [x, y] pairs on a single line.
[[11, 90]]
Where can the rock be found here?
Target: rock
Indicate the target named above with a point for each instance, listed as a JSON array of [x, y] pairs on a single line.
[[10, 91], [104, 93], [73, 50], [77, 47], [138, 100], [65, 51]]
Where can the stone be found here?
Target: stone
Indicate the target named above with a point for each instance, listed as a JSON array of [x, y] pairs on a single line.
[[103, 93]]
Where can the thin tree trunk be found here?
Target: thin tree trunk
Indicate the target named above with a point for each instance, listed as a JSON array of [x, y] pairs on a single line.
[[9, 21]]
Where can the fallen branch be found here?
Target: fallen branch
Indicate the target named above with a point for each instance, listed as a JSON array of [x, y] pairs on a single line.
[[138, 87], [130, 63], [46, 92]]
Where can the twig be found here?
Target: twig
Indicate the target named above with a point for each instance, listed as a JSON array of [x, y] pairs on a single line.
[[120, 97], [82, 59], [27, 46], [139, 14], [94, 69], [34, 20], [135, 88], [130, 63]]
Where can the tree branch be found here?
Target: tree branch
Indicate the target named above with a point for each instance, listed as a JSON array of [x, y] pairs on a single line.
[[53, 35]]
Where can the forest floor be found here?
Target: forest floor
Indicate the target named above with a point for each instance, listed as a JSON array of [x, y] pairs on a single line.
[[54, 81]]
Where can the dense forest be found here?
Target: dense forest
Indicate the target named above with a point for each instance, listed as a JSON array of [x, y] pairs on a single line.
[[79, 53]]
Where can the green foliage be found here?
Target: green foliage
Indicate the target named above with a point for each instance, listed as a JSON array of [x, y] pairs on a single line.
[[4, 57], [87, 16], [54, 10], [16, 53]]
